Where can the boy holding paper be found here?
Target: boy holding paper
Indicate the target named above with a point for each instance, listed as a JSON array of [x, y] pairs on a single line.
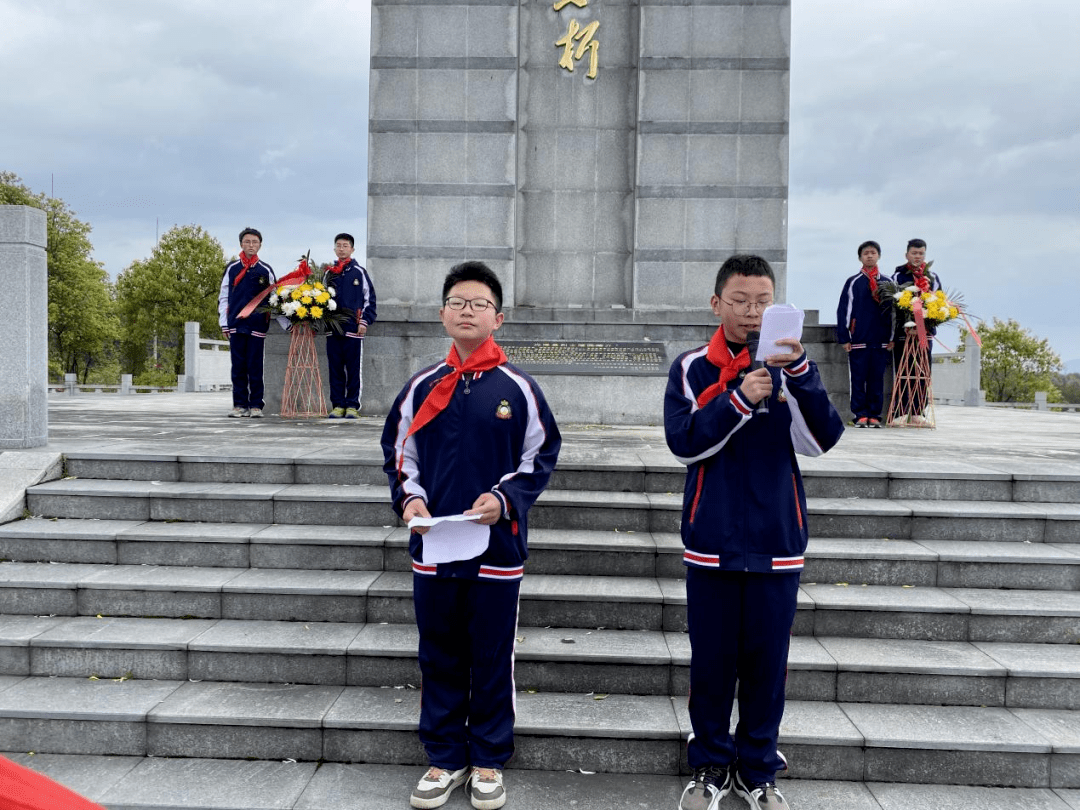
[[744, 532], [471, 435]]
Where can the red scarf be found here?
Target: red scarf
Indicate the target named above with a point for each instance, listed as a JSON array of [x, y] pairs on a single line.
[[720, 355], [246, 264], [918, 275], [871, 276], [487, 356], [340, 266]]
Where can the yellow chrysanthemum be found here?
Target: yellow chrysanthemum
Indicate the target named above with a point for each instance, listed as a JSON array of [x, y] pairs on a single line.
[[316, 312], [322, 297], [954, 312], [301, 312], [295, 295], [319, 285], [306, 300]]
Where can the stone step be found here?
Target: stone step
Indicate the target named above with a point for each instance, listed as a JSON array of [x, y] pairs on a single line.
[[949, 563], [368, 505], [603, 469], [621, 603], [140, 783], [592, 732], [547, 660]]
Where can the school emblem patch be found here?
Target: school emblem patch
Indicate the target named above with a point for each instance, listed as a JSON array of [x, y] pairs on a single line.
[[356, 282], [503, 411]]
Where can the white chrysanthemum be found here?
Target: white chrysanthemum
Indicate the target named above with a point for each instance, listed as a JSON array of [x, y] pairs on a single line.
[[331, 305], [332, 291], [290, 307], [273, 299]]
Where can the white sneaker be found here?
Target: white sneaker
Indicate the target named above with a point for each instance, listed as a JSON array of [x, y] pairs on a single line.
[[486, 790], [236, 413], [435, 787], [255, 413]]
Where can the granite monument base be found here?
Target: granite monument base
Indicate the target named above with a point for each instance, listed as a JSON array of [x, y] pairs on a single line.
[[406, 339]]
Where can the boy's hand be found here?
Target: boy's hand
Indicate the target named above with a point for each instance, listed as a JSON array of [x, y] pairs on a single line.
[[790, 357], [361, 330], [890, 345], [416, 508], [756, 386], [847, 347], [489, 506]]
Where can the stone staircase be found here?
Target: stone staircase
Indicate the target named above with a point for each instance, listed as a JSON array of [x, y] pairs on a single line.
[[252, 608]]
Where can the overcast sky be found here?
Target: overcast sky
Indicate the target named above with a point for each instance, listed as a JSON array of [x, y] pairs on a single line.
[[951, 120]]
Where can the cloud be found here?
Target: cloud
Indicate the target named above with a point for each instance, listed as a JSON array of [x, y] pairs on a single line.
[[201, 112], [948, 121]]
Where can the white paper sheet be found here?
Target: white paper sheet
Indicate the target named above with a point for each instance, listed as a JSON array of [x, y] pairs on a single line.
[[452, 538], [779, 321]]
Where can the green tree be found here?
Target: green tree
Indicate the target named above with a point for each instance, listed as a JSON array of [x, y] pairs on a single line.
[[178, 283], [1016, 363], [1069, 386], [83, 322]]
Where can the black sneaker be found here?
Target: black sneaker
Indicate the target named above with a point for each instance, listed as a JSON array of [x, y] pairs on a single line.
[[707, 789], [760, 795]]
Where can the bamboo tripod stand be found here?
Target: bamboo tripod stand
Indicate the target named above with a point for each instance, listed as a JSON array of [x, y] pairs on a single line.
[[303, 392], [912, 400]]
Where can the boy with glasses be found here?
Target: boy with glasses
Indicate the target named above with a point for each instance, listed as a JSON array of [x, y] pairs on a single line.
[[470, 435], [744, 532], [345, 352], [244, 279], [864, 327]]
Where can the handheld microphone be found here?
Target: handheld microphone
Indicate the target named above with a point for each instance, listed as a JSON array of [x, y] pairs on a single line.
[[752, 340]]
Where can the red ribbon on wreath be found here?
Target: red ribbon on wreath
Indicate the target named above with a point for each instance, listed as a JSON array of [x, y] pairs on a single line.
[[920, 320]]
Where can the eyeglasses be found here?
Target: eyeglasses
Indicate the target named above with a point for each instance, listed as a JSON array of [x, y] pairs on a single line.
[[744, 306], [475, 304]]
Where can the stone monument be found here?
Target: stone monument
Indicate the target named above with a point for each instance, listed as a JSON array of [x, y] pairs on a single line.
[[603, 156], [24, 363]]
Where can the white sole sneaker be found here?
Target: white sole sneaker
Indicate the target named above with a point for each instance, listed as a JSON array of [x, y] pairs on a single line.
[[431, 793]]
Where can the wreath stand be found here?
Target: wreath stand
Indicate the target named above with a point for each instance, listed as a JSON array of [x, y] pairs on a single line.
[[303, 392], [912, 402]]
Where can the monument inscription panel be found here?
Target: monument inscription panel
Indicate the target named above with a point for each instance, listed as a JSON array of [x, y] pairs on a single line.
[[622, 357]]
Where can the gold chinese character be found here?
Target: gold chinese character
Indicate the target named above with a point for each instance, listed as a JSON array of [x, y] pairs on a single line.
[[559, 4], [585, 42]]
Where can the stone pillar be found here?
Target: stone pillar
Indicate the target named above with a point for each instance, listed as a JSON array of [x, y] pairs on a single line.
[[973, 362], [190, 381], [24, 365]]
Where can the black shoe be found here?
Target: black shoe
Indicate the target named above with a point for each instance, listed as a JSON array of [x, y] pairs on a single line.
[[707, 789], [760, 795]]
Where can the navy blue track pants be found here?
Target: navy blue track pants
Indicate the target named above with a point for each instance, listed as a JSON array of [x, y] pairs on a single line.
[[246, 355], [467, 633], [344, 361], [740, 630], [867, 367]]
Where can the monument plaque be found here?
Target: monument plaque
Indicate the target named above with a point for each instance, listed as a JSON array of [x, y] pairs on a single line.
[[626, 358]]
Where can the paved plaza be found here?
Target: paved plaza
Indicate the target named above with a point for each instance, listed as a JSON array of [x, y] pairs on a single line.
[[197, 423]]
